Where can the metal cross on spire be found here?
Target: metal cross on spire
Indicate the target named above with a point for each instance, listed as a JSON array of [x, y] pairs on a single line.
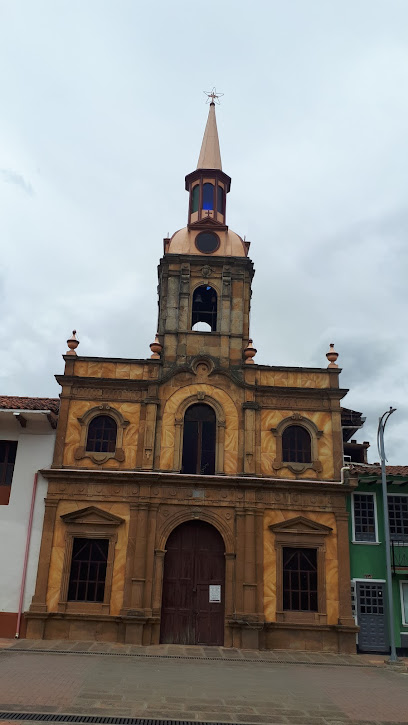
[[213, 96]]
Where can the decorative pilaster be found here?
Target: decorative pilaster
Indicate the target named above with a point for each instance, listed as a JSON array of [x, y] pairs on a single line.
[[130, 557], [250, 409], [240, 563], [139, 562], [250, 563], [39, 601], [150, 432], [345, 614]]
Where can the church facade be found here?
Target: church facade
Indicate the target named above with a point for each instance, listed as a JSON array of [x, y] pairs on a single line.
[[197, 497]]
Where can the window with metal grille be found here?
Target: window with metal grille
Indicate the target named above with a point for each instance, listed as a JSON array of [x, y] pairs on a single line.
[[88, 570], [364, 517], [8, 450], [398, 517], [102, 432], [296, 445], [370, 599], [300, 579]]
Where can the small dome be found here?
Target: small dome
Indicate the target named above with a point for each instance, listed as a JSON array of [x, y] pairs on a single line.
[[230, 243]]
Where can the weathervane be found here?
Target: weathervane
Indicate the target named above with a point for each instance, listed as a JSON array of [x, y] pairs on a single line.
[[213, 96]]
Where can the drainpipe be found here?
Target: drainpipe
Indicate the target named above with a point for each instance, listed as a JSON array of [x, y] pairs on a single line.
[[27, 551]]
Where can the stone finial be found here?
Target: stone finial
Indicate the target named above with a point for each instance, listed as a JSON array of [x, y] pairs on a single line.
[[249, 353], [332, 356], [156, 348], [72, 344]]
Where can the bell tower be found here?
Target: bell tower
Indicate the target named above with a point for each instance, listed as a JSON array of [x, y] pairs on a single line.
[[205, 274]]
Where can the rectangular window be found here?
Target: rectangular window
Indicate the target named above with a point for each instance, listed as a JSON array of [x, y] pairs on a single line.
[[88, 570], [404, 602], [398, 517], [8, 450], [364, 517], [300, 579]]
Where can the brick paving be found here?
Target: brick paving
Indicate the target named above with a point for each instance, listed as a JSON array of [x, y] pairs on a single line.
[[201, 684]]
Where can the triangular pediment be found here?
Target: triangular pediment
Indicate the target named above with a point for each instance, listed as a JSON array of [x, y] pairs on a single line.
[[300, 525], [92, 515], [207, 222]]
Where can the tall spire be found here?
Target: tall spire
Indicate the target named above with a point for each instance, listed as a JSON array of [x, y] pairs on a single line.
[[210, 157]]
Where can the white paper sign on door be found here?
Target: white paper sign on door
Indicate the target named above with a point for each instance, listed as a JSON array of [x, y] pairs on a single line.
[[215, 592]]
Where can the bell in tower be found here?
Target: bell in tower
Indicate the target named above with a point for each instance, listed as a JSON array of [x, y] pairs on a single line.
[[205, 274]]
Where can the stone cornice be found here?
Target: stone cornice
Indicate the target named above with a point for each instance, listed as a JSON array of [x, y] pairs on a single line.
[[78, 475]]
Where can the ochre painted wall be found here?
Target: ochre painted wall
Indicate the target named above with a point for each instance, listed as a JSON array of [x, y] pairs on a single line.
[[323, 421], [77, 408], [58, 552], [332, 586], [119, 371], [293, 379]]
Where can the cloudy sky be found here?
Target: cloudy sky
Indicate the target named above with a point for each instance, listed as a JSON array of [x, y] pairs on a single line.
[[102, 115]]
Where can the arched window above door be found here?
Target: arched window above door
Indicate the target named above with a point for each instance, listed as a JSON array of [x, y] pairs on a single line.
[[199, 440], [204, 307]]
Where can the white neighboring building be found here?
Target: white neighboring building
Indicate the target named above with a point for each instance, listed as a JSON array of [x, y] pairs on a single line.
[[27, 437]]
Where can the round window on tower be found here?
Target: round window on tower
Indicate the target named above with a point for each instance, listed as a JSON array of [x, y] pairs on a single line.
[[207, 242]]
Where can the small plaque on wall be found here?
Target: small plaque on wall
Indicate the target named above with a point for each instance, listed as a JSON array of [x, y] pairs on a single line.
[[215, 592]]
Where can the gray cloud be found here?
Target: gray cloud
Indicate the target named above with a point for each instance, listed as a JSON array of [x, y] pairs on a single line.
[[313, 132], [12, 177]]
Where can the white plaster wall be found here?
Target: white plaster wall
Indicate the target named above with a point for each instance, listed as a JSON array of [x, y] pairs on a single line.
[[34, 451]]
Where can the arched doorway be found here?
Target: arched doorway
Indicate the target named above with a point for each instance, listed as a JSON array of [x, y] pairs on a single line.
[[193, 586]]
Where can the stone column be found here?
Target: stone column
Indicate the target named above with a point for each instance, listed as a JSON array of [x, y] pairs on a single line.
[[345, 614]]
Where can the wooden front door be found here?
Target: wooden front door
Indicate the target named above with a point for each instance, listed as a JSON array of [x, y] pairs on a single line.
[[194, 574]]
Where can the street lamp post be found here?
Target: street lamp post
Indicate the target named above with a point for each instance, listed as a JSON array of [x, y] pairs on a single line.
[[380, 442]]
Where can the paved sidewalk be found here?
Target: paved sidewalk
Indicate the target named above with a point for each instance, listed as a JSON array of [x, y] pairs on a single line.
[[195, 652], [200, 684]]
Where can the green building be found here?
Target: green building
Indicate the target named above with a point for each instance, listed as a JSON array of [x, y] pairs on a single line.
[[368, 555]]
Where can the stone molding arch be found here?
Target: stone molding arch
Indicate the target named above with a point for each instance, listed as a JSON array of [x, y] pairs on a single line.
[[173, 420], [200, 397], [121, 423], [314, 432], [196, 514]]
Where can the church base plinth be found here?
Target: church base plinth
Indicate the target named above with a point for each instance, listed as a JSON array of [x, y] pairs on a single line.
[[317, 638]]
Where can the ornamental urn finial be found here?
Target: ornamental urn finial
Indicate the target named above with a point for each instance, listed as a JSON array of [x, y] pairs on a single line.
[[332, 356], [72, 344], [156, 348], [249, 353]]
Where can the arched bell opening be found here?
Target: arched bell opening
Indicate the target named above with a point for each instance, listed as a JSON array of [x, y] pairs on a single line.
[[199, 440], [204, 307]]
